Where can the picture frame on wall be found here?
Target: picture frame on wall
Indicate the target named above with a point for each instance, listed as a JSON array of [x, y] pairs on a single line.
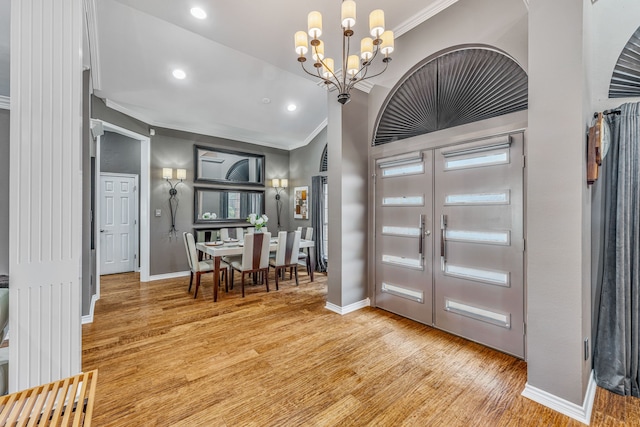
[[301, 202]]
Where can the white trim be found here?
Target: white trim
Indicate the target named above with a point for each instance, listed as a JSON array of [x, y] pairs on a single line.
[[312, 135], [348, 308], [169, 275], [579, 413], [145, 199], [5, 102], [91, 19], [89, 317], [526, 3], [426, 13]]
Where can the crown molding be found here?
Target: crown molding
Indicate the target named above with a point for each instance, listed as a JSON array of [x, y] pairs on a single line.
[[426, 13], [91, 18], [312, 135], [5, 102]]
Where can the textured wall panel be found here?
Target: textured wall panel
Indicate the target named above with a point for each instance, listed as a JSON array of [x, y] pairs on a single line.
[[625, 81], [452, 89]]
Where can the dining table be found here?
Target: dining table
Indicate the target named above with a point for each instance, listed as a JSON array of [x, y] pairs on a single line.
[[219, 249]]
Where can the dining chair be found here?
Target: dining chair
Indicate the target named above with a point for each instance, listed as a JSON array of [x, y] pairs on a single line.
[[286, 254], [255, 258], [199, 267], [307, 234], [231, 233]]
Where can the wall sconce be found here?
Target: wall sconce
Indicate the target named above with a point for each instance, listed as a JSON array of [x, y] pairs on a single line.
[[279, 185], [181, 174]]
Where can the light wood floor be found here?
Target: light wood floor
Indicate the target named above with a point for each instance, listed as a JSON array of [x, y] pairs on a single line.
[[282, 359]]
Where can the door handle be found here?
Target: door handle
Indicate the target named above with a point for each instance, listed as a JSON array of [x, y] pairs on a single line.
[[102, 231], [420, 236], [443, 235]]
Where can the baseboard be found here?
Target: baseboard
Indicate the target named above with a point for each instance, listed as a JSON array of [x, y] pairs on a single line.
[[579, 413], [169, 275], [89, 317], [348, 308]]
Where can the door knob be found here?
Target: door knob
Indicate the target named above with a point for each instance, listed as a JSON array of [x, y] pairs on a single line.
[[102, 231], [427, 233]]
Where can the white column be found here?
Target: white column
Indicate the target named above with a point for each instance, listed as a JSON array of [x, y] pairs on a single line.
[[45, 191]]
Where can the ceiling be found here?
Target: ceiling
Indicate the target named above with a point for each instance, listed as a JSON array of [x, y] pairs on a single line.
[[241, 68]]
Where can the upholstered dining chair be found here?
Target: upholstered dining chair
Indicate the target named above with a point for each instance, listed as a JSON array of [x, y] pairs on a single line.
[[200, 267], [286, 254], [255, 258], [307, 234]]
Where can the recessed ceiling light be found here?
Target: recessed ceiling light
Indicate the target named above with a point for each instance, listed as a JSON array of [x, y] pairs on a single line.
[[198, 13], [179, 74], [266, 101], [292, 107]]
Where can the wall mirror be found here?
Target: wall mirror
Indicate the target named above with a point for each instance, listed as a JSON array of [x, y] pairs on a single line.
[[218, 205], [213, 165]]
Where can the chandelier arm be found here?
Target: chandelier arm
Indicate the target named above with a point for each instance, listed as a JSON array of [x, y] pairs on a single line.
[[337, 85], [326, 80], [386, 64]]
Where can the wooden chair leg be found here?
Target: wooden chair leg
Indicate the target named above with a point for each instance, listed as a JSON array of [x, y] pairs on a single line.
[[295, 270], [195, 294], [277, 275], [226, 280], [242, 280], [266, 278], [190, 282]]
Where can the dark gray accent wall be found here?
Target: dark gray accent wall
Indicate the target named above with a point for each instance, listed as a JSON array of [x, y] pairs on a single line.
[[174, 149], [119, 154], [304, 162], [4, 183]]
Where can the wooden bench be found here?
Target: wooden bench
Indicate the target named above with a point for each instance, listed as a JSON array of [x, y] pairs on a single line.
[[67, 402]]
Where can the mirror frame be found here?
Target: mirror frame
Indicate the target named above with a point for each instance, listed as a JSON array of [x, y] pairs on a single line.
[[197, 179], [197, 220]]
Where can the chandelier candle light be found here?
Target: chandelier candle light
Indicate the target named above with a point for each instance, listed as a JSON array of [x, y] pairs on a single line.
[[354, 67]]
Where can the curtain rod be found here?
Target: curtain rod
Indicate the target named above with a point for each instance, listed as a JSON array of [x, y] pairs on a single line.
[[607, 112]]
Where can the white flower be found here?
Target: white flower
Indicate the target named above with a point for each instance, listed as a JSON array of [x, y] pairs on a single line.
[[252, 218], [265, 218], [259, 221]]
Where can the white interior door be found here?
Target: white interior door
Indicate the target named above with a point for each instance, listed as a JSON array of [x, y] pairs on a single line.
[[118, 223]]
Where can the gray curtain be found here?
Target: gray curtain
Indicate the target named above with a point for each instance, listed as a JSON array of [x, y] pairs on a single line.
[[616, 350], [317, 220]]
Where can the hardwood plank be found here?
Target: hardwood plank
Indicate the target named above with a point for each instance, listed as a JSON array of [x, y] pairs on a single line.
[[280, 358]]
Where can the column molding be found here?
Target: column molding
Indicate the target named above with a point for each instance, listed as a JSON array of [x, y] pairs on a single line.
[[45, 191]]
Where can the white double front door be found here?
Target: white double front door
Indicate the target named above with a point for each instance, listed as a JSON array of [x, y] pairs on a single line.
[[449, 239]]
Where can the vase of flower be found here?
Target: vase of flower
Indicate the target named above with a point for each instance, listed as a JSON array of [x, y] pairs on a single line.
[[258, 221]]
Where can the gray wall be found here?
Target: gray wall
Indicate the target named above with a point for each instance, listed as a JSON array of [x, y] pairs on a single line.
[[174, 149], [4, 183], [304, 162], [348, 203], [119, 154]]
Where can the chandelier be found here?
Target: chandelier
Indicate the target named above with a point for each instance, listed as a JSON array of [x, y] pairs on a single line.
[[354, 68]]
